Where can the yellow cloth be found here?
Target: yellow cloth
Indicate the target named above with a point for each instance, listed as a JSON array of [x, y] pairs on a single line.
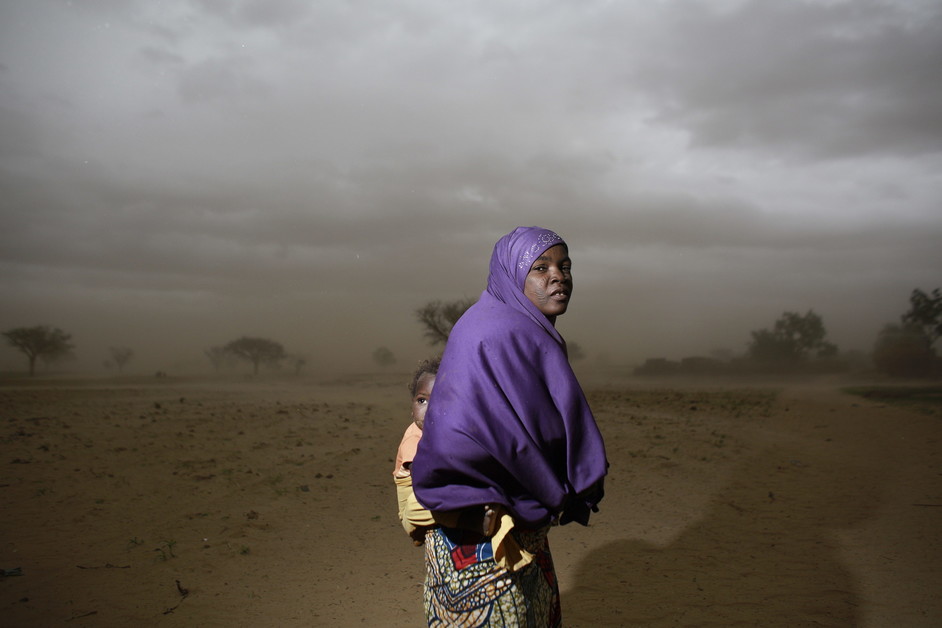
[[412, 514], [507, 552]]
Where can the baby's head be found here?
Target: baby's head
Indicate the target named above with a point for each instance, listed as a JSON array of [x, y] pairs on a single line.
[[421, 388]]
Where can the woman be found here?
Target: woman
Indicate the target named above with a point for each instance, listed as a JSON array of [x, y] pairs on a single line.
[[510, 446]]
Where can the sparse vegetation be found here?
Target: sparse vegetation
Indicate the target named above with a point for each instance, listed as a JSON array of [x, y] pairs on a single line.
[[906, 349], [793, 338], [277, 484], [439, 317], [925, 313], [258, 351], [47, 343], [384, 357], [795, 343], [926, 399], [297, 362], [165, 550], [903, 351], [120, 356], [575, 352], [219, 357]]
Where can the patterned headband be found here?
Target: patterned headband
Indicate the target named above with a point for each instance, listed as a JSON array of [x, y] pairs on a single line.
[[543, 241]]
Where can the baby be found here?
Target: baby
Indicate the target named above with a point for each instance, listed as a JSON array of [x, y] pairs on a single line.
[[413, 516]]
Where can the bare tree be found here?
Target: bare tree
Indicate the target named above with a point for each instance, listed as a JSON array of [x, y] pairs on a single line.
[[48, 343], [438, 318], [257, 351], [298, 362], [120, 356]]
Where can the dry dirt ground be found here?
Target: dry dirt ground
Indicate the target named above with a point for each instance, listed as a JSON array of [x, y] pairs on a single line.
[[270, 503]]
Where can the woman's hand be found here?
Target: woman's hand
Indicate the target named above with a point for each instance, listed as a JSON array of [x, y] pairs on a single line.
[[579, 507], [481, 520], [594, 494], [491, 521], [418, 536]]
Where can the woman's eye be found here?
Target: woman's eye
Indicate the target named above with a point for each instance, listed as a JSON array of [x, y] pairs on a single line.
[[421, 400]]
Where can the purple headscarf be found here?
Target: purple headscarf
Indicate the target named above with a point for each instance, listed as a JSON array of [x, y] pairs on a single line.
[[507, 422]]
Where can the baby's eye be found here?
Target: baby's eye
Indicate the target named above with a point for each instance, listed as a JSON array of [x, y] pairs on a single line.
[[421, 400]]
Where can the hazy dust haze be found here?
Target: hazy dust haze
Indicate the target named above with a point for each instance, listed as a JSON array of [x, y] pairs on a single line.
[[176, 175]]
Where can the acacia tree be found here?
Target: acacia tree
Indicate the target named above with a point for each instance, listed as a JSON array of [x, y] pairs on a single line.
[[257, 351], [48, 343], [121, 356], [792, 339], [438, 318]]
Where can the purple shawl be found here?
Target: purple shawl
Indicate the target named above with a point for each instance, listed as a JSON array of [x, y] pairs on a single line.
[[507, 422]]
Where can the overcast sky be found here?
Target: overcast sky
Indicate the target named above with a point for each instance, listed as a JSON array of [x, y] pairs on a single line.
[[177, 174]]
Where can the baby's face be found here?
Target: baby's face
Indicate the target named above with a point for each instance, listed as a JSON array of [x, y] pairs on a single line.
[[420, 401]]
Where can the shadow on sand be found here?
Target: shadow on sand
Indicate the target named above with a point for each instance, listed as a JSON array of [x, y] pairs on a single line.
[[765, 553]]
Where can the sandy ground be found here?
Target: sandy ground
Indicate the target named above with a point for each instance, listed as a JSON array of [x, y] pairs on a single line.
[[270, 503]]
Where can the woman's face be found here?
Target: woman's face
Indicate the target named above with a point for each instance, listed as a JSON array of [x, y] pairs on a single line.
[[549, 282]]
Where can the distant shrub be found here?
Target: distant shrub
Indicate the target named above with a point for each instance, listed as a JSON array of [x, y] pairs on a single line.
[[702, 366], [904, 351], [655, 367]]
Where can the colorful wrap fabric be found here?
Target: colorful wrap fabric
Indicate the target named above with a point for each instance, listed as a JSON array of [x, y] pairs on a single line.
[[508, 424], [464, 586]]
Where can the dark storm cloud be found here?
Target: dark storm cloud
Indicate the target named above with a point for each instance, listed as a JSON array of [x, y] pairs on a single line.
[[291, 167], [253, 14], [822, 79], [217, 80]]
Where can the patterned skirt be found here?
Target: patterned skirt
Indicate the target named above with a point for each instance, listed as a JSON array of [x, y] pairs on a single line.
[[465, 587]]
